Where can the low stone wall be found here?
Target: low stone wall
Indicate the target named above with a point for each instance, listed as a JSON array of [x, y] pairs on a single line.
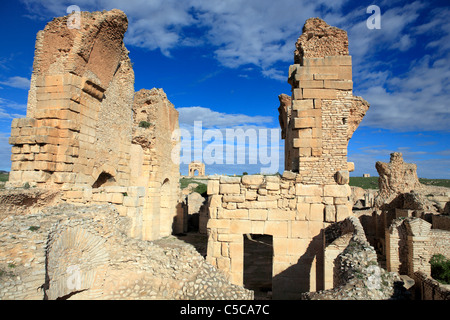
[[281, 206], [128, 201], [441, 222], [357, 275], [430, 289], [83, 252]]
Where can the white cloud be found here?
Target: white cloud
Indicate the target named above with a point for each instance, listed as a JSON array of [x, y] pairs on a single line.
[[211, 118], [10, 109], [17, 82]]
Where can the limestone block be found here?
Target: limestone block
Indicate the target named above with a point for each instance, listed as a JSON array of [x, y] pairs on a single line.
[[337, 190], [234, 198], [313, 143], [213, 187], [240, 226], [311, 84], [257, 214], [297, 94], [117, 198], [280, 214], [342, 177], [257, 226], [289, 175], [338, 84], [350, 166], [250, 194], [317, 212], [36, 176], [327, 94], [305, 104], [330, 213], [255, 180], [342, 212], [227, 179], [308, 190], [344, 60], [233, 214], [219, 223], [229, 188], [326, 76], [276, 228], [273, 185], [299, 229]]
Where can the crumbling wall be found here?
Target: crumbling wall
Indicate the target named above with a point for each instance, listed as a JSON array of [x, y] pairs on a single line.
[[77, 128], [317, 122], [324, 113], [83, 252], [293, 213], [355, 271], [155, 121], [89, 135], [396, 177]]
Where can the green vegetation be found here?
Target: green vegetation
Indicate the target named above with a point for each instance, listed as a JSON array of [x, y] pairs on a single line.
[[372, 182], [4, 176], [365, 183], [435, 182], [144, 124], [440, 268], [201, 188]]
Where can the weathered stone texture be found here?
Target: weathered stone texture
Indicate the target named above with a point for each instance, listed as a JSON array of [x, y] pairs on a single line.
[[73, 252], [86, 128], [396, 176], [324, 113]]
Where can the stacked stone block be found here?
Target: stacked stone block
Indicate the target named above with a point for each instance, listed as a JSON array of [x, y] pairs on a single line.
[[292, 212], [321, 103]]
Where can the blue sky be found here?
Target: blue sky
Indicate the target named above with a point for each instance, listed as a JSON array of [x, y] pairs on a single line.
[[225, 63]]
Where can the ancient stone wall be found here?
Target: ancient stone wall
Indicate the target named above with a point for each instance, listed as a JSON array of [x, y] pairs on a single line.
[[410, 244], [324, 113], [89, 135], [430, 289], [293, 213], [83, 252], [351, 268], [317, 123]]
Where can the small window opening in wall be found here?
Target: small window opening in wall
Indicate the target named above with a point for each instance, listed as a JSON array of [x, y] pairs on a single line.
[[344, 120], [258, 260], [104, 180]]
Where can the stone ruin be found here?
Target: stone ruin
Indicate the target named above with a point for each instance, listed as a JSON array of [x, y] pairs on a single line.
[[92, 156], [88, 134], [92, 177], [196, 166], [317, 122]]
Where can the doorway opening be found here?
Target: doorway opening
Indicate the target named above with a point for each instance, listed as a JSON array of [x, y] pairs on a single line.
[[258, 261]]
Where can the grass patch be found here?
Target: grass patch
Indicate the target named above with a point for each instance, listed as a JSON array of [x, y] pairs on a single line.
[[372, 182], [365, 183], [201, 188], [435, 182], [4, 176]]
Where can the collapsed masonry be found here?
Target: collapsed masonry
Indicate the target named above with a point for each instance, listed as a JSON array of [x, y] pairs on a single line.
[[317, 123], [89, 135]]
